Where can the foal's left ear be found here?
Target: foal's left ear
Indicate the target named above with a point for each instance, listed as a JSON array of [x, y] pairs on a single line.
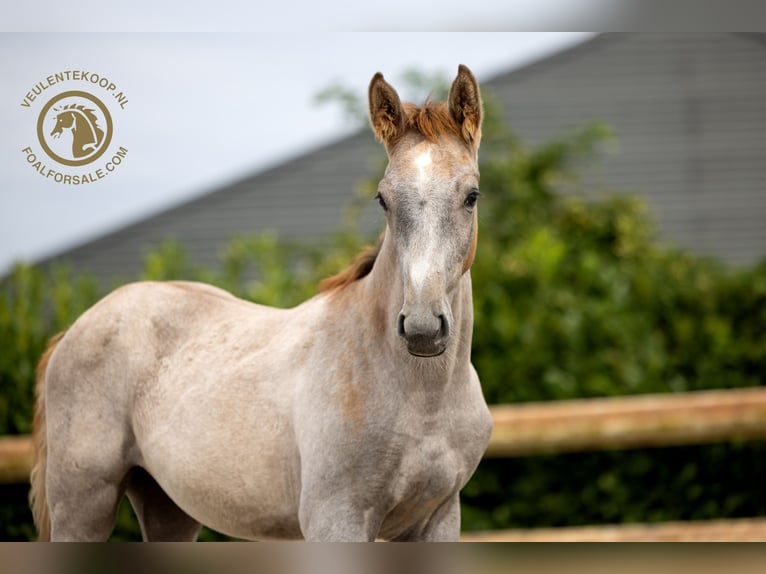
[[465, 105]]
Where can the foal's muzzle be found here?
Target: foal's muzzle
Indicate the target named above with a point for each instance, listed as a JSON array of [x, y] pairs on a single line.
[[425, 334]]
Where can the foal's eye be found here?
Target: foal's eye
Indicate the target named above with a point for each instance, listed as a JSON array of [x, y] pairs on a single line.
[[381, 201], [471, 198]]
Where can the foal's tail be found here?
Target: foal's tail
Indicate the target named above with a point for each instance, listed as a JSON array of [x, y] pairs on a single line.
[[37, 499]]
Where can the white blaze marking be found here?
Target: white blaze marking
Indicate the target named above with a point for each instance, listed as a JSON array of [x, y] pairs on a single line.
[[421, 261], [419, 273], [422, 162]]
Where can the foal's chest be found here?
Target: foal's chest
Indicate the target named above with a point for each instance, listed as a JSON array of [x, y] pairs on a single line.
[[430, 469], [436, 459], [429, 474]]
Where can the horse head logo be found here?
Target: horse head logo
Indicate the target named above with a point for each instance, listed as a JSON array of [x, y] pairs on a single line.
[[82, 115], [83, 123]]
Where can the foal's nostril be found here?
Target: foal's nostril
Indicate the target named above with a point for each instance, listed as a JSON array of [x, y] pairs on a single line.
[[442, 331], [400, 325], [443, 327]]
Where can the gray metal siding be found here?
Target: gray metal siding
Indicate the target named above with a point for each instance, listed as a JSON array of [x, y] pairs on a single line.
[[689, 115]]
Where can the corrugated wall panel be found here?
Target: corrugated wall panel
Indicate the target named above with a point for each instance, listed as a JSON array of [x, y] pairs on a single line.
[[689, 116]]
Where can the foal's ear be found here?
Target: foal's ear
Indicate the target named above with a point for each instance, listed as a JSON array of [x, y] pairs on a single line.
[[465, 105], [386, 115]]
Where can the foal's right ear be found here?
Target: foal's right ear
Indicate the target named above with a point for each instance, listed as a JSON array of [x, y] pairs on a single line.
[[386, 114]]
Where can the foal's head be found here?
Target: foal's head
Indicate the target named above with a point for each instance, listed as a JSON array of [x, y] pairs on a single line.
[[429, 194]]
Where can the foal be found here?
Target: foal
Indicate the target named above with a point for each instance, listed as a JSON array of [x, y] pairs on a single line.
[[354, 416]]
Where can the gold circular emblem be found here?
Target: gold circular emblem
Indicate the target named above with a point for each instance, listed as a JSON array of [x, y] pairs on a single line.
[[74, 128]]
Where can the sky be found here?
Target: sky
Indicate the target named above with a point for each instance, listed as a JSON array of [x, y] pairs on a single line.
[[195, 111]]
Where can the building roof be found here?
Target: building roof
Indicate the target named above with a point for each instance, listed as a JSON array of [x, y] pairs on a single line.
[[688, 112], [302, 198]]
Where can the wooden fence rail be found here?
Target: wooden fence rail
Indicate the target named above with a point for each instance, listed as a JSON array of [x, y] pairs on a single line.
[[15, 459], [581, 425], [628, 422], [568, 426]]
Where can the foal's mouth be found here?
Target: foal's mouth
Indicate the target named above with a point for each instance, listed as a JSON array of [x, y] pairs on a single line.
[[427, 355], [426, 350]]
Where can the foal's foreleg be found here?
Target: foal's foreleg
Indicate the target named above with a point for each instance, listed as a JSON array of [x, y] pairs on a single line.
[[336, 519], [443, 526]]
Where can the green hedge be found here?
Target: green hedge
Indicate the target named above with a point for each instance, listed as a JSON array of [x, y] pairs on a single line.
[[579, 299], [573, 298]]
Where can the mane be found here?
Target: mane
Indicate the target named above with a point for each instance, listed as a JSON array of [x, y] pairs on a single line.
[[359, 267], [432, 120]]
